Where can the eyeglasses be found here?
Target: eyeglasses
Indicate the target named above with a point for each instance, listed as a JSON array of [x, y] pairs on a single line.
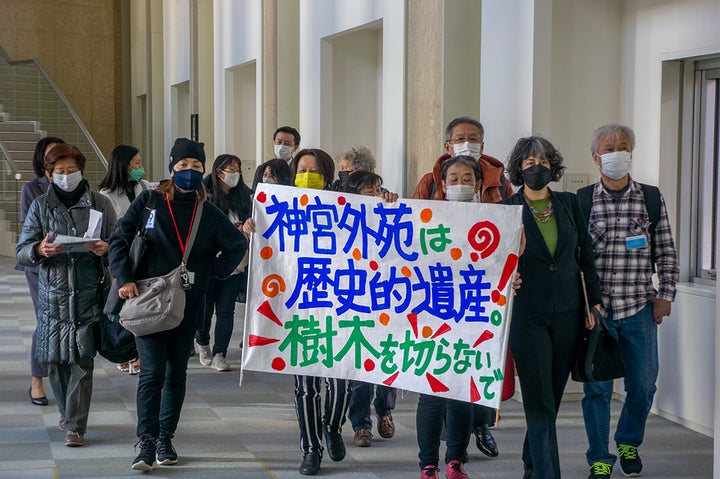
[[462, 139]]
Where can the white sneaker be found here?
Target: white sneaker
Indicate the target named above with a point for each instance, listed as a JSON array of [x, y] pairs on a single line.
[[204, 353], [219, 363]]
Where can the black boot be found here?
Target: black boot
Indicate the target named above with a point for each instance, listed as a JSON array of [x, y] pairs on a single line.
[[335, 444], [311, 463]]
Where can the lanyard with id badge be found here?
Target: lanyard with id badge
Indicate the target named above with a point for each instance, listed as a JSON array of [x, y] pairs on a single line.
[[187, 278], [637, 238]]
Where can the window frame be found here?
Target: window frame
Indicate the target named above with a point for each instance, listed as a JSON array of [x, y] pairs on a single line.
[[698, 74]]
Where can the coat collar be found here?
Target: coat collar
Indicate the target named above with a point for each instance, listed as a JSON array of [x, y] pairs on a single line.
[[54, 202]]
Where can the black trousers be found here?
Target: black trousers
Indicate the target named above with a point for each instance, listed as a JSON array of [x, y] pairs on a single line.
[[307, 407], [483, 415], [220, 297], [37, 367], [163, 375], [544, 347], [432, 412]]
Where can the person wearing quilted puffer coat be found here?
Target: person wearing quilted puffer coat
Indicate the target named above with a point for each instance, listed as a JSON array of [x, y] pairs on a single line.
[[67, 284]]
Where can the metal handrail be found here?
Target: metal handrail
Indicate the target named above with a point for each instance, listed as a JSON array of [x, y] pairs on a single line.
[[75, 116], [14, 171]]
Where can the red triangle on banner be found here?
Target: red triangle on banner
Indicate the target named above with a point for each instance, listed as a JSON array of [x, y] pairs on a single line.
[[435, 385], [389, 381], [474, 393], [412, 317], [266, 310], [254, 340], [483, 337], [441, 330]]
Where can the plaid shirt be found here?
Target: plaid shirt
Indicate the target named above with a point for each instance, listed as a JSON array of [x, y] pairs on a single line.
[[626, 274]]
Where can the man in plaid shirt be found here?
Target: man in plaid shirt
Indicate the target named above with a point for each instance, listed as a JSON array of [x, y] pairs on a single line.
[[620, 228]]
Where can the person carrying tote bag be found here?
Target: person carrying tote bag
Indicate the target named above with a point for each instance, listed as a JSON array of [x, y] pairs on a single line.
[[215, 252]]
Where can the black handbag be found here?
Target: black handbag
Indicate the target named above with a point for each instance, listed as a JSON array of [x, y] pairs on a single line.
[[599, 356], [114, 303], [114, 342]]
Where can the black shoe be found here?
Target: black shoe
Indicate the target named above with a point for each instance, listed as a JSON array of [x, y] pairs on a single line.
[[41, 401], [335, 444], [485, 441], [311, 463], [145, 461], [630, 462], [166, 454]]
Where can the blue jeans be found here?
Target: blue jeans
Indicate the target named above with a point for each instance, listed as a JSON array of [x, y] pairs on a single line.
[[637, 335], [361, 394]]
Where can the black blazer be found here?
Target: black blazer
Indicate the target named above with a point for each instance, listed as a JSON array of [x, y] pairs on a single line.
[[551, 284]]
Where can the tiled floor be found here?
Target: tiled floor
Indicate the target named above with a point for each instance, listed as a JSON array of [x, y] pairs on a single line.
[[250, 432]]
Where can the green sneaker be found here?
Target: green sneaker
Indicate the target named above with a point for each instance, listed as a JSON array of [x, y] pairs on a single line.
[[630, 463], [599, 470]]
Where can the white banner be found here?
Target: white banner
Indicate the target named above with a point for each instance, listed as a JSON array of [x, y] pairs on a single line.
[[414, 294]]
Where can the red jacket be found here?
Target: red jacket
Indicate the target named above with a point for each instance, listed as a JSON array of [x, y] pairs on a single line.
[[493, 181]]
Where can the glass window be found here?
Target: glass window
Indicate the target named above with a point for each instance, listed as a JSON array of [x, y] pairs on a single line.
[[707, 119]]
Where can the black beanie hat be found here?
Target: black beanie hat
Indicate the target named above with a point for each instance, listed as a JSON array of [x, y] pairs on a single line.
[[185, 148]]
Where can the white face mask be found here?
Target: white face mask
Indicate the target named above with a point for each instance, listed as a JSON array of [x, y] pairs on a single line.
[[231, 179], [68, 182], [282, 151], [616, 164], [460, 192], [467, 149], [269, 180]]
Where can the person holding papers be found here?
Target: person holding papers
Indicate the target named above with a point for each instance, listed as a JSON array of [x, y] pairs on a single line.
[[549, 310], [68, 281]]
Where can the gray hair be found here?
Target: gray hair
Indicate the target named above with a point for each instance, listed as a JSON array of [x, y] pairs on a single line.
[[614, 130], [460, 120], [468, 161], [360, 156]]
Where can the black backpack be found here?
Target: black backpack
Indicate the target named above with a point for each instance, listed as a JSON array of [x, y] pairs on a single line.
[[652, 205]]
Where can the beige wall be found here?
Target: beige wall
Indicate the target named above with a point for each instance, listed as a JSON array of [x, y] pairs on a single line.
[[78, 44]]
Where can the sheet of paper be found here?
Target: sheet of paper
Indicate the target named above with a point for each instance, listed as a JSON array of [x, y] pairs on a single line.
[[94, 225], [73, 244]]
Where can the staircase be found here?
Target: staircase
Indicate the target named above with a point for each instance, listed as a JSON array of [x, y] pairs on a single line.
[[18, 139], [30, 98]]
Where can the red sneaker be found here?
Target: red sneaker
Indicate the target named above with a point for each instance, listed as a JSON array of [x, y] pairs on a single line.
[[429, 472], [455, 470]]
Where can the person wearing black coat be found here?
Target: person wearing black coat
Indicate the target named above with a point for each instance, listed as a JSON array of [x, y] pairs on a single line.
[[38, 186], [549, 309], [217, 250], [226, 190]]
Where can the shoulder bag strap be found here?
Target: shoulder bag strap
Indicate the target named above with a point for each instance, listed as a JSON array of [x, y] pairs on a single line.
[[193, 232], [652, 204], [146, 213], [585, 197]]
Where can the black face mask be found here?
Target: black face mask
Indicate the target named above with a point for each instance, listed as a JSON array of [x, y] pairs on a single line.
[[343, 175], [536, 177]]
